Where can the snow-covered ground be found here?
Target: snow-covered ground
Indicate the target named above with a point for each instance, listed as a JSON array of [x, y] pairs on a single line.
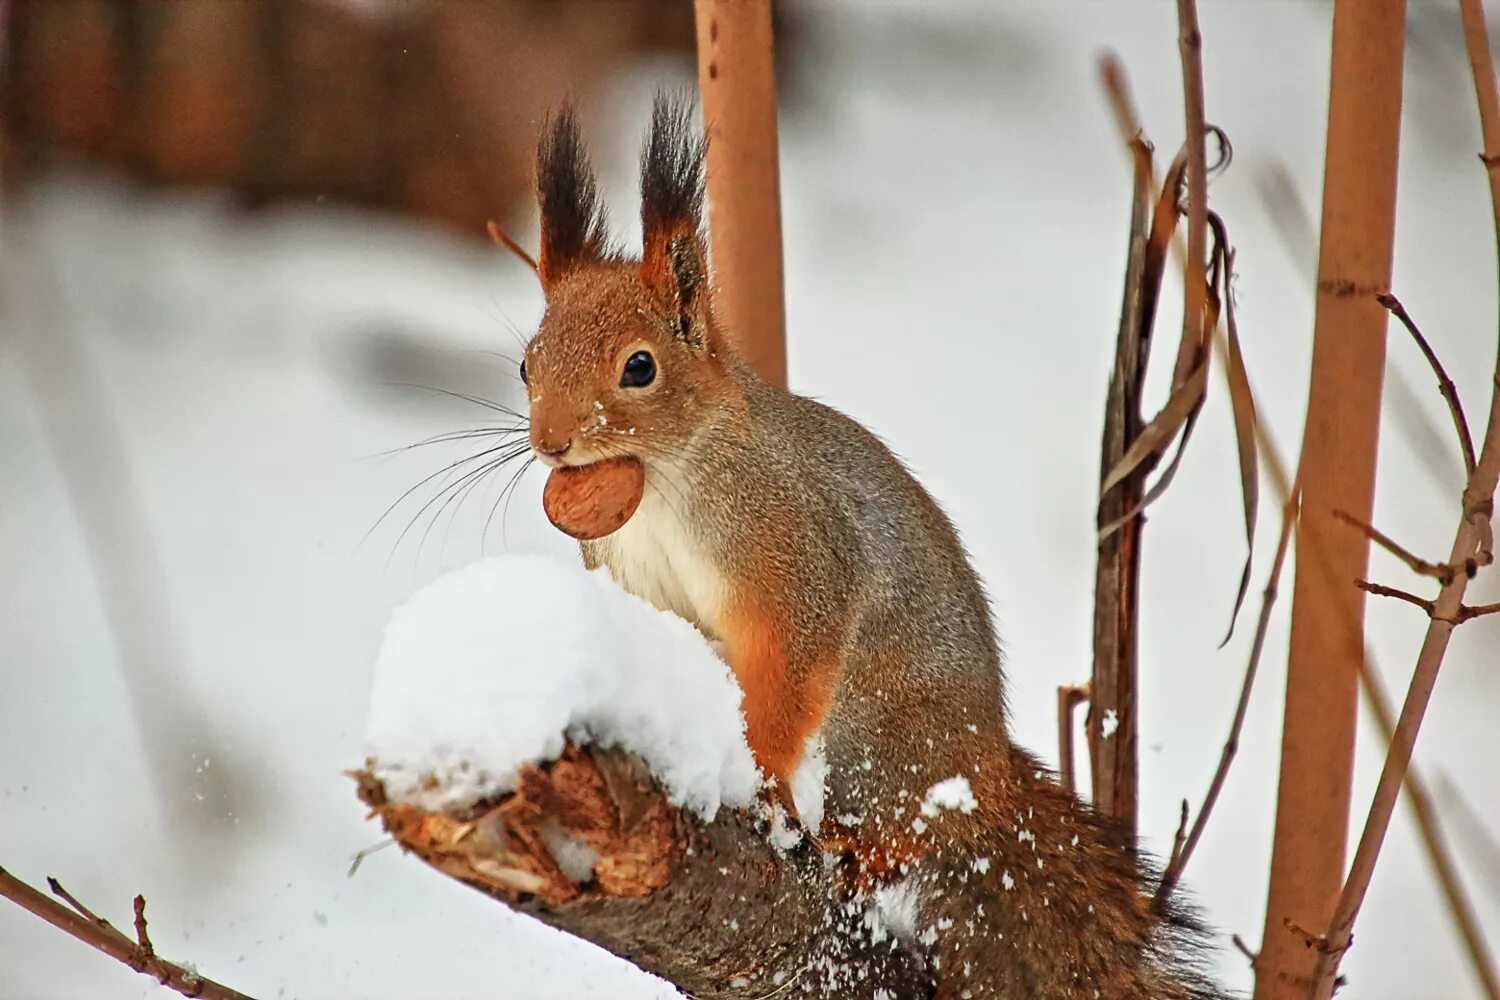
[[955, 204]]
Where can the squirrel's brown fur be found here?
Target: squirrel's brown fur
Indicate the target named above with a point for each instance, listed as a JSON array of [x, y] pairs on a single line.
[[841, 597]]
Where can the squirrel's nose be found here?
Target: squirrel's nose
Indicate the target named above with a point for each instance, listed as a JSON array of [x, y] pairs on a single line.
[[553, 450]]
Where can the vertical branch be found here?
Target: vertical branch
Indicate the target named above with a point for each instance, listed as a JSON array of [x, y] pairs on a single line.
[[1337, 472], [1477, 44], [1195, 330], [1111, 718], [1068, 699], [1470, 550], [1183, 851], [735, 74]]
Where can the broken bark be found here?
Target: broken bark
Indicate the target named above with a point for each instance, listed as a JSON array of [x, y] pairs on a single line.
[[590, 845]]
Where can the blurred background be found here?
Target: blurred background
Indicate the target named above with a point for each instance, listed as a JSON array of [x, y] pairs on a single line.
[[243, 266]]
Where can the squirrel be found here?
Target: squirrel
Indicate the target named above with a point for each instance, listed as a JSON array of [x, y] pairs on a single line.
[[841, 597]]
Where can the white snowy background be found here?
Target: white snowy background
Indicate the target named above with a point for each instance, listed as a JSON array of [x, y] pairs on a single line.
[[955, 203]]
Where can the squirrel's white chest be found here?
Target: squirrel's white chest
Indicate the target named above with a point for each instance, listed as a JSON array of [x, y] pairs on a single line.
[[654, 557]]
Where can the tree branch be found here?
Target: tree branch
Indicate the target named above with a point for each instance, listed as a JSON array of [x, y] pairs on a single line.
[[1413, 562], [100, 934], [1472, 539], [1465, 611], [1195, 328], [1445, 384], [1180, 858], [654, 889], [1068, 699]]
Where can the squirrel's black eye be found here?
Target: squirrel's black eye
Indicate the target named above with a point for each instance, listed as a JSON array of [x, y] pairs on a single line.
[[640, 370], [523, 371]]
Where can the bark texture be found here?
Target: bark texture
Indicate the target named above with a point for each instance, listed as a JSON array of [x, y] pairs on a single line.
[[713, 908]]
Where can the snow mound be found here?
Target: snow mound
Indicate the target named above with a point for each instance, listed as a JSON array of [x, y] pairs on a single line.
[[489, 668]]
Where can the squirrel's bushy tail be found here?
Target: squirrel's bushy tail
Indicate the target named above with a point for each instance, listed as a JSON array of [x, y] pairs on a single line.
[[1050, 900]]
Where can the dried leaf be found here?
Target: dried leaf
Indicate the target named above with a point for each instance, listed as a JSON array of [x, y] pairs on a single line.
[[1156, 436], [1242, 401], [1163, 224]]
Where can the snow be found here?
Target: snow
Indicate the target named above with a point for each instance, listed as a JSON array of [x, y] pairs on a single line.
[[574, 858], [950, 793], [491, 666], [809, 781], [895, 910]]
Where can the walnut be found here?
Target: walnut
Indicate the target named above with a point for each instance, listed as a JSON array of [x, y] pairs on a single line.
[[591, 501]]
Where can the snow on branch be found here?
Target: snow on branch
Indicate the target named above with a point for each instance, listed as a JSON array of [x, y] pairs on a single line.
[[571, 751], [490, 668]]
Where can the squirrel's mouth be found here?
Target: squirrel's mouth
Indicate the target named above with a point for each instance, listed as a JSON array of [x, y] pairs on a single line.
[[575, 455]]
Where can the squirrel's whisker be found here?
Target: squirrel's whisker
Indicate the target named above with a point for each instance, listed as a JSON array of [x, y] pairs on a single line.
[[427, 479], [446, 493]]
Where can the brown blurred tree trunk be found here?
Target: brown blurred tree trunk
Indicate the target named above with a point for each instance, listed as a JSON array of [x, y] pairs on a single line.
[[1337, 473], [737, 79]]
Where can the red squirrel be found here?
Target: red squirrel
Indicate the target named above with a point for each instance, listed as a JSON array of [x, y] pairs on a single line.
[[840, 596]]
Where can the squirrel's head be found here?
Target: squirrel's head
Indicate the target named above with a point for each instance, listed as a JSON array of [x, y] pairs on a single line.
[[628, 359]]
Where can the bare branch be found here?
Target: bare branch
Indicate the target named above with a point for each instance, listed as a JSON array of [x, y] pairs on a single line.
[[655, 893], [1179, 860], [1112, 761], [1180, 836], [1445, 384], [502, 238], [61, 893], [1413, 562], [1068, 699], [1473, 538], [1195, 328], [1465, 612], [1380, 590], [103, 936]]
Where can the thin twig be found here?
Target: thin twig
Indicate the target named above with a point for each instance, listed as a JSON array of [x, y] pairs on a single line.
[[502, 238], [1173, 872], [103, 936], [1114, 82], [1472, 537], [142, 938], [1244, 949], [1445, 384], [61, 893], [1293, 223], [1381, 590], [359, 858], [1413, 562], [1069, 697], [1465, 612], [1180, 837], [1487, 97], [1194, 333]]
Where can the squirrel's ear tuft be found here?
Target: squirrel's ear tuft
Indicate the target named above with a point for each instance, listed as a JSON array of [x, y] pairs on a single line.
[[673, 258], [574, 228]]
